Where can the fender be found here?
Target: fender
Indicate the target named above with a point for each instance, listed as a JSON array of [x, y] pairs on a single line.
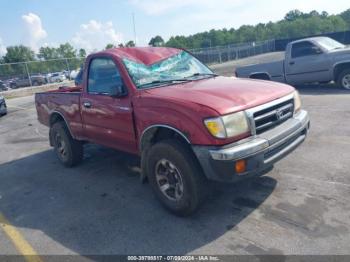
[[144, 152], [339, 64], [163, 126]]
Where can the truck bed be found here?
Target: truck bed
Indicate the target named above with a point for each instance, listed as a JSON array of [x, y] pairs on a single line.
[[274, 69], [65, 101]]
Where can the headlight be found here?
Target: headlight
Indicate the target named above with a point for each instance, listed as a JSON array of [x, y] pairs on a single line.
[[228, 126], [297, 102], [216, 127]]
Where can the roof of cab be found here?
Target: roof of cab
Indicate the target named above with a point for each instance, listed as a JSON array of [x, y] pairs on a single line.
[[145, 55]]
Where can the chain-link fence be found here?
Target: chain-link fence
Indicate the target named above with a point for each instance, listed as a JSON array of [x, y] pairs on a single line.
[[220, 54], [15, 75]]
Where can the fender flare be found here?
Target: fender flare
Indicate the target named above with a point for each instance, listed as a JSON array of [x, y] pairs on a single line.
[[338, 64], [260, 73], [149, 128], [64, 120]]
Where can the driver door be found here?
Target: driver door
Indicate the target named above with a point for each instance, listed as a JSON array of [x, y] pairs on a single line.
[[106, 108], [307, 63]]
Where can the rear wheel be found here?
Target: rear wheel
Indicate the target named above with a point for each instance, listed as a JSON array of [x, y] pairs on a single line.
[[344, 79], [68, 150], [176, 177]]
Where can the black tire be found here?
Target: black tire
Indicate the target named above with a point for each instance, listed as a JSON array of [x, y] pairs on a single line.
[[13, 86], [5, 113], [68, 150], [194, 183], [35, 83], [341, 79]]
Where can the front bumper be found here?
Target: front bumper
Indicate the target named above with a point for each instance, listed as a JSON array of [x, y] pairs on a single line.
[[260, 152]]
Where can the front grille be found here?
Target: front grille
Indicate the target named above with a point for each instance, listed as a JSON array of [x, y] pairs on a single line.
[[270, 117]]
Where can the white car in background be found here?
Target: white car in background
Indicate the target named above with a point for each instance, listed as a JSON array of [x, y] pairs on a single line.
[[73, 74], [57, 77]]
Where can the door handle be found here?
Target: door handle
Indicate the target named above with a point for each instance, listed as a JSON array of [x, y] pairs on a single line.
[[292, 63], [87, 104]]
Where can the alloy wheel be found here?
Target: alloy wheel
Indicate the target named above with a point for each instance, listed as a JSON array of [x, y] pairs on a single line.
[[60, 146], [169, 180], [346, 81]]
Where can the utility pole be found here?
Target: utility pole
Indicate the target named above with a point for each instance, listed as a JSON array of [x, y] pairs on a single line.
[[133, 22], [29, 77]]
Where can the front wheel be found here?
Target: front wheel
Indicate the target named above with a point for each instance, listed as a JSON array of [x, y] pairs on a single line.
[[68, 150], [176, 177], [344, 79]]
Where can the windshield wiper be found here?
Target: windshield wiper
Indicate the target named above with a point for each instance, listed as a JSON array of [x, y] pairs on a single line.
[[169, 81], [203, 74], [160, 82]]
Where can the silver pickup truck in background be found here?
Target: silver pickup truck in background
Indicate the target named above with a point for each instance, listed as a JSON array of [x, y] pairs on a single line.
[[309, 60]]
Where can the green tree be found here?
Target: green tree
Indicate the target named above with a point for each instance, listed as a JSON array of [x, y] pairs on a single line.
[[156, 41], [82, 52], [109, 46], [324, 14], [346, 17], [130, 44], [294, 24], [314, 13], [178, 42], [47, 53], [18, 53], [66, 51], [293, 15]]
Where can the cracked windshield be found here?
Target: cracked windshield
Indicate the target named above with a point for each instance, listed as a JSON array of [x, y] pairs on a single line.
[[180, 67]]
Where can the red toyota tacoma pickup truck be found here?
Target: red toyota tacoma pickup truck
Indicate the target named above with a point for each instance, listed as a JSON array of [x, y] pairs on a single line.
[[188, 125]]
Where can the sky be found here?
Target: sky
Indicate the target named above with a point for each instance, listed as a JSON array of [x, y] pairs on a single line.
[[93, 24]]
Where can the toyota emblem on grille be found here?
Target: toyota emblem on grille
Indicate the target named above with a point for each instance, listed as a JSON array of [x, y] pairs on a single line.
[[279, 114]]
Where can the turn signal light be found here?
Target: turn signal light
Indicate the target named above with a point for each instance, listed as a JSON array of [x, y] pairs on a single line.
[[240, 166]]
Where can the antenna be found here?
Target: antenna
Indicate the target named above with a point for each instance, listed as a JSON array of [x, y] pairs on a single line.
[[133, 22]]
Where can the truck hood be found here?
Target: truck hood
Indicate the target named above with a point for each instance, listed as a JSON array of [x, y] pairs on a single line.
[[224, 94]]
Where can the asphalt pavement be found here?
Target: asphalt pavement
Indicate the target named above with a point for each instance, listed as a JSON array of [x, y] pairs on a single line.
[[99, 207]]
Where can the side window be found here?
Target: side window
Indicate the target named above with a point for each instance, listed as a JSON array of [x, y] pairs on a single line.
[[104, 77], [304, 49]]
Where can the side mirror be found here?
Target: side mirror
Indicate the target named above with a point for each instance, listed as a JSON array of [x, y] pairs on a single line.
[[316, 50]]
